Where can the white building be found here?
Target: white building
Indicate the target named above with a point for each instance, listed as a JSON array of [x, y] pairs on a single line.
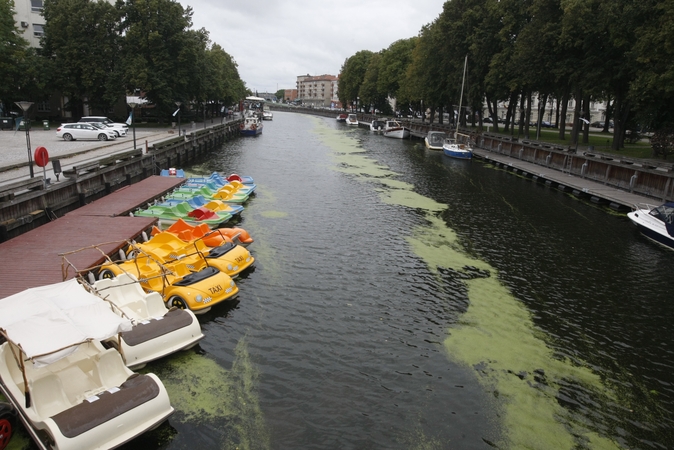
[[318, 90], [28, 17]]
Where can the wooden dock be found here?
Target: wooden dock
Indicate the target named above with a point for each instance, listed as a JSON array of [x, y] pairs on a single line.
[[33, 258], [581, 187]]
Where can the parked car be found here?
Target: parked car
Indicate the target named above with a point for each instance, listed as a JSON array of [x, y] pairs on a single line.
[[72, 131], [103, 119], [119, 131]]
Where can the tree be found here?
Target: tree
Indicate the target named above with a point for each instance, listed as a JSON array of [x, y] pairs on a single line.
[[352, 76], [280, 94], [14, 55], [81, 43], [369, 94], [155, 58]]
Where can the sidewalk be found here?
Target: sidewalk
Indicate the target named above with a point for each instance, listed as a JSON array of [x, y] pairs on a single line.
[[14, 151]]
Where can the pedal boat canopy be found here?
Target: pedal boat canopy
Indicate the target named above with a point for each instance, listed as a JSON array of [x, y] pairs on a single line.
[[49, 322]]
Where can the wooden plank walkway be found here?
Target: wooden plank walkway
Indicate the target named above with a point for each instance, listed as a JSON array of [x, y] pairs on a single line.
[[129, 198], [596, 191], [32, 259]]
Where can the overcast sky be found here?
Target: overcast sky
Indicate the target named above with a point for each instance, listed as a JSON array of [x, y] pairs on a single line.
[[274, 41]]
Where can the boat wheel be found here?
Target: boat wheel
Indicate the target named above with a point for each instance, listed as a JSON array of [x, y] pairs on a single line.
[[106, 274], [6, 428], [177, 301]]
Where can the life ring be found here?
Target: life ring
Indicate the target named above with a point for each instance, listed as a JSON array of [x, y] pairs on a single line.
[[241, 126], [172, 171], [253, 127]]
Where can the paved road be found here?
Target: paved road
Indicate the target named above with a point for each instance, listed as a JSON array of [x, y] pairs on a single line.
[[14, 149]]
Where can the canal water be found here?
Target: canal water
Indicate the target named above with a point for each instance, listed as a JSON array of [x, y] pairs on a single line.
[[403, 300]]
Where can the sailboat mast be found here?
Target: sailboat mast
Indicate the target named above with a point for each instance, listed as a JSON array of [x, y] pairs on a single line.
[[458, 120]]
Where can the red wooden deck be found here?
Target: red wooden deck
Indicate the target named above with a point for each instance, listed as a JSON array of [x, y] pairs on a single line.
[[32, 259]]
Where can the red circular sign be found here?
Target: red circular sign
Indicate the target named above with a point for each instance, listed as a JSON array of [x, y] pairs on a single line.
[[41, 157]]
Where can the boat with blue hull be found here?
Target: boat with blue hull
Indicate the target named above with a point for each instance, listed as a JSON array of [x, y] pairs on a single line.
[[452, 147]]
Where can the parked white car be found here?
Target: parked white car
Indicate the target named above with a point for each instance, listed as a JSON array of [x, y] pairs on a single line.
[[72, 131], [103, 119], [119, 131]]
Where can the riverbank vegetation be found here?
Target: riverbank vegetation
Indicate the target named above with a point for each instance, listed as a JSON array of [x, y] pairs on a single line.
[[95, 53], [620, 53]]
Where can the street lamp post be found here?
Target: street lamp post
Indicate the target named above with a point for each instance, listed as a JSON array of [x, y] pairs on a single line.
[[25, 106], [178, 105], [133, 121]]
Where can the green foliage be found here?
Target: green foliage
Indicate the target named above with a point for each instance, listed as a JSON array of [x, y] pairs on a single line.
[[352, 76], [15, 58], [81, 43], [662, 142]]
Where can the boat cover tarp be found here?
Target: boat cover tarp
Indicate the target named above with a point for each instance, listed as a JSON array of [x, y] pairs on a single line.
[[46, 319]]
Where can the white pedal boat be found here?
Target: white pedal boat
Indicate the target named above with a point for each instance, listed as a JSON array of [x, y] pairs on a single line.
[[69, 391], [156, 331]]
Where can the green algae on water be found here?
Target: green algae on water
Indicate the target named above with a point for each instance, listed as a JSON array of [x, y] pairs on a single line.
[[204, 393], [496, 336]]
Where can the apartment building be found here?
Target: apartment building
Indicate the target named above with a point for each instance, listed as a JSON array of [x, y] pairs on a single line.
[[28, 17], [318, 91]]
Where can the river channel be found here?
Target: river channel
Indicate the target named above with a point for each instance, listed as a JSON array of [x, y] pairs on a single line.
[[403, 300]]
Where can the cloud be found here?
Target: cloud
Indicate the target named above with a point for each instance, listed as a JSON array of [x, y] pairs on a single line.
[[274, 41]]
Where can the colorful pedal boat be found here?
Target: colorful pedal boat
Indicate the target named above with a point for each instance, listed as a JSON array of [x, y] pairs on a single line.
[[172, 172], [177, 284], [199, 200], [212, 238], [156, 331], [224, 194], [235, 187], [71, 392], [229, 258], [170, 214], [179, 173]]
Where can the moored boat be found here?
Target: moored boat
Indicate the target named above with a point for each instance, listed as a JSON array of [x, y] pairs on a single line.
[[156, 331], [378, 126], [434, 140], [71, 392], [395, 129], [655, 222], [342, 117], [352, 119], [178, 285], [452, 147], [251, 126]]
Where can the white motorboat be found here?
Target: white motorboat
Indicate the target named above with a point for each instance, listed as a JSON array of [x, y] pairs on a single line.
[[655, 222], [352, 119], [342, 117], [434, 140], [378, 126], [156, 332], [251, 126], [452, 147], [394, 129], [267, 115], [71, 392]]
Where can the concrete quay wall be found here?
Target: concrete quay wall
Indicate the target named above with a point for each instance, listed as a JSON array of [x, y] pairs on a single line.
[[27, 203]]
